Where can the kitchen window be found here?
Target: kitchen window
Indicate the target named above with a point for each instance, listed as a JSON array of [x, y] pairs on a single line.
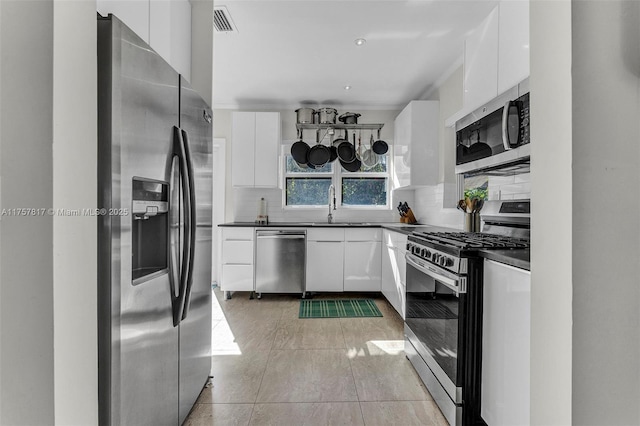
[[308, 187]]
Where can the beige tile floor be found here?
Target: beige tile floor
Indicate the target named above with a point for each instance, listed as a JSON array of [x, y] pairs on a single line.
[[272, 368]]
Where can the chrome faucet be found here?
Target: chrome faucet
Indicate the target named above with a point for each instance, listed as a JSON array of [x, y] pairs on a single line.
[[332, 198]]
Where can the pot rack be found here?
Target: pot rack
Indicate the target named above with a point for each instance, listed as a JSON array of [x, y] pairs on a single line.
[[333, 126], [305, 126]]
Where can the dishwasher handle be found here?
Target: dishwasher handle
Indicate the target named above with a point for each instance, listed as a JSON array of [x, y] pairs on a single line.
[[281, 237], [280, 234]]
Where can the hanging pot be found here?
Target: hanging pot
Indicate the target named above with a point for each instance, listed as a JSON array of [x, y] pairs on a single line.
[[349, 118], [380, 147], [305, 115], [327, 115]]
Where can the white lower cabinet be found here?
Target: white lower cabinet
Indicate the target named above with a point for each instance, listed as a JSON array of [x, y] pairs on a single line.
[[237, 278], [506, 342], [362, 270], [394, 270], [237, 259], [325, 259], [362, 255], [325, 266]]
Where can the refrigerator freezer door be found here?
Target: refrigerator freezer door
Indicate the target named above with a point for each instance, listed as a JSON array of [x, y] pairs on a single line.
[[195, 327], [138, 95]]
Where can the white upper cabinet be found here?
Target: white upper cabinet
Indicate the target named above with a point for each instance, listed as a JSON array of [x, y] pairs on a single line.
[[165, 25], [481, 63], [496, 54], [415, 145], [513, 44], [255, 141]]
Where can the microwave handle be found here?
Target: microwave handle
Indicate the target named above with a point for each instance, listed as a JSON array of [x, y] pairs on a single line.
[[506, 141]]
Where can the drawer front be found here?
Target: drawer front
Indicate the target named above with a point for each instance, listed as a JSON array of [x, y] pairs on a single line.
[[243, 234], [363, 234], [237, 278], [325, 234], [237, 252]]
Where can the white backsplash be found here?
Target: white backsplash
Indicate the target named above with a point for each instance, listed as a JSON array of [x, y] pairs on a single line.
[[429, 208], [510, 187], [246, 201]]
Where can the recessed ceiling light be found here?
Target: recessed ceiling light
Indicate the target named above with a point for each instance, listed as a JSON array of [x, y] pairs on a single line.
[[347, 87], [360, 41]]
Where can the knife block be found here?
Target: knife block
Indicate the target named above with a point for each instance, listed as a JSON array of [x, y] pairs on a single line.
[[409, 218]]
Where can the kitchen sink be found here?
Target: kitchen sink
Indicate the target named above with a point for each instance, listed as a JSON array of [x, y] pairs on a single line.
[[341, 224]]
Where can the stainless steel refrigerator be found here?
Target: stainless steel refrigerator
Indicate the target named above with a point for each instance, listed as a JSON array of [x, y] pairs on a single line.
[[155, 189]]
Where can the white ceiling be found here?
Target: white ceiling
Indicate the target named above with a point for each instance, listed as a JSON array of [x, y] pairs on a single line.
[[286, 54]]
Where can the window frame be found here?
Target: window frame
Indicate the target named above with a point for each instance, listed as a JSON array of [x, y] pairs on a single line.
[[336, 176]]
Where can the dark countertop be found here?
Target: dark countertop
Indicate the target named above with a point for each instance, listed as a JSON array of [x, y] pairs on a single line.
[[398, 227], [519, 258]]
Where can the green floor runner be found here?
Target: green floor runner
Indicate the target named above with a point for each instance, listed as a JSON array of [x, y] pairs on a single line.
[[346, 308]]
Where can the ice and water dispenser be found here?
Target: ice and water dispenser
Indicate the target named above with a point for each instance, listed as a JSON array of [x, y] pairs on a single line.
[[150, 229]]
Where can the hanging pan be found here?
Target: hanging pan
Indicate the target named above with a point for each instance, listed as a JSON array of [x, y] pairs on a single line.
[[380, 147], [346, 151], [355, 165], [300, 150], [319, 154], [369, 157]]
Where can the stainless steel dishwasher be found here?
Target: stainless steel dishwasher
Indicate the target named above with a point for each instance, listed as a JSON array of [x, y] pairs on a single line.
[[280, 261]]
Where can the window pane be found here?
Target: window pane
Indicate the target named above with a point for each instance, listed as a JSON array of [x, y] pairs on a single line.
[[364, 191], [308, 191], [293, 167]]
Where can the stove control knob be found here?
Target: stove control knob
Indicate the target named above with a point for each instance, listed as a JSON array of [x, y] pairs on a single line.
[[409, 245], [442, 261], [449, 262], [435, 257], [427, 254], [423, 253]]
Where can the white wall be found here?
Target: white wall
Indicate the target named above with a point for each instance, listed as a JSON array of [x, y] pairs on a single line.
[[606, 206], [75, 270], [552, 213], [26, 271]]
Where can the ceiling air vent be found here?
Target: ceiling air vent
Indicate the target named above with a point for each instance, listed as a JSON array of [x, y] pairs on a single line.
[[222, 21]]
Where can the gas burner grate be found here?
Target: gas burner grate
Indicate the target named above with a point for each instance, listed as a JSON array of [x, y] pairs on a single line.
[[466, 240]]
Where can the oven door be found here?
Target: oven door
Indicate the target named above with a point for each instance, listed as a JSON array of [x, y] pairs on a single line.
[[435, 313]]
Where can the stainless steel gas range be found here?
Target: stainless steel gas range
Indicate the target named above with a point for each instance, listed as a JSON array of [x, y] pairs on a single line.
[[443, 324]]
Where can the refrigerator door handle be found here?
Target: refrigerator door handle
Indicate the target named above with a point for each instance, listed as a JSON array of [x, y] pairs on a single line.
[[185, 199], [191, 227]]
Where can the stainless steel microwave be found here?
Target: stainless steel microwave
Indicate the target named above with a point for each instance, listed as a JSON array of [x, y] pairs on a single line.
[[497, 134]]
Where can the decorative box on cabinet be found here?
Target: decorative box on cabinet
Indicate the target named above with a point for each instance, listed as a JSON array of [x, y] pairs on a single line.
[[237, 260], [254, 149], [415, 145]]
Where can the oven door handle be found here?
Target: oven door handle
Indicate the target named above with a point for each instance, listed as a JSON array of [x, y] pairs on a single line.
[[451, 281]]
